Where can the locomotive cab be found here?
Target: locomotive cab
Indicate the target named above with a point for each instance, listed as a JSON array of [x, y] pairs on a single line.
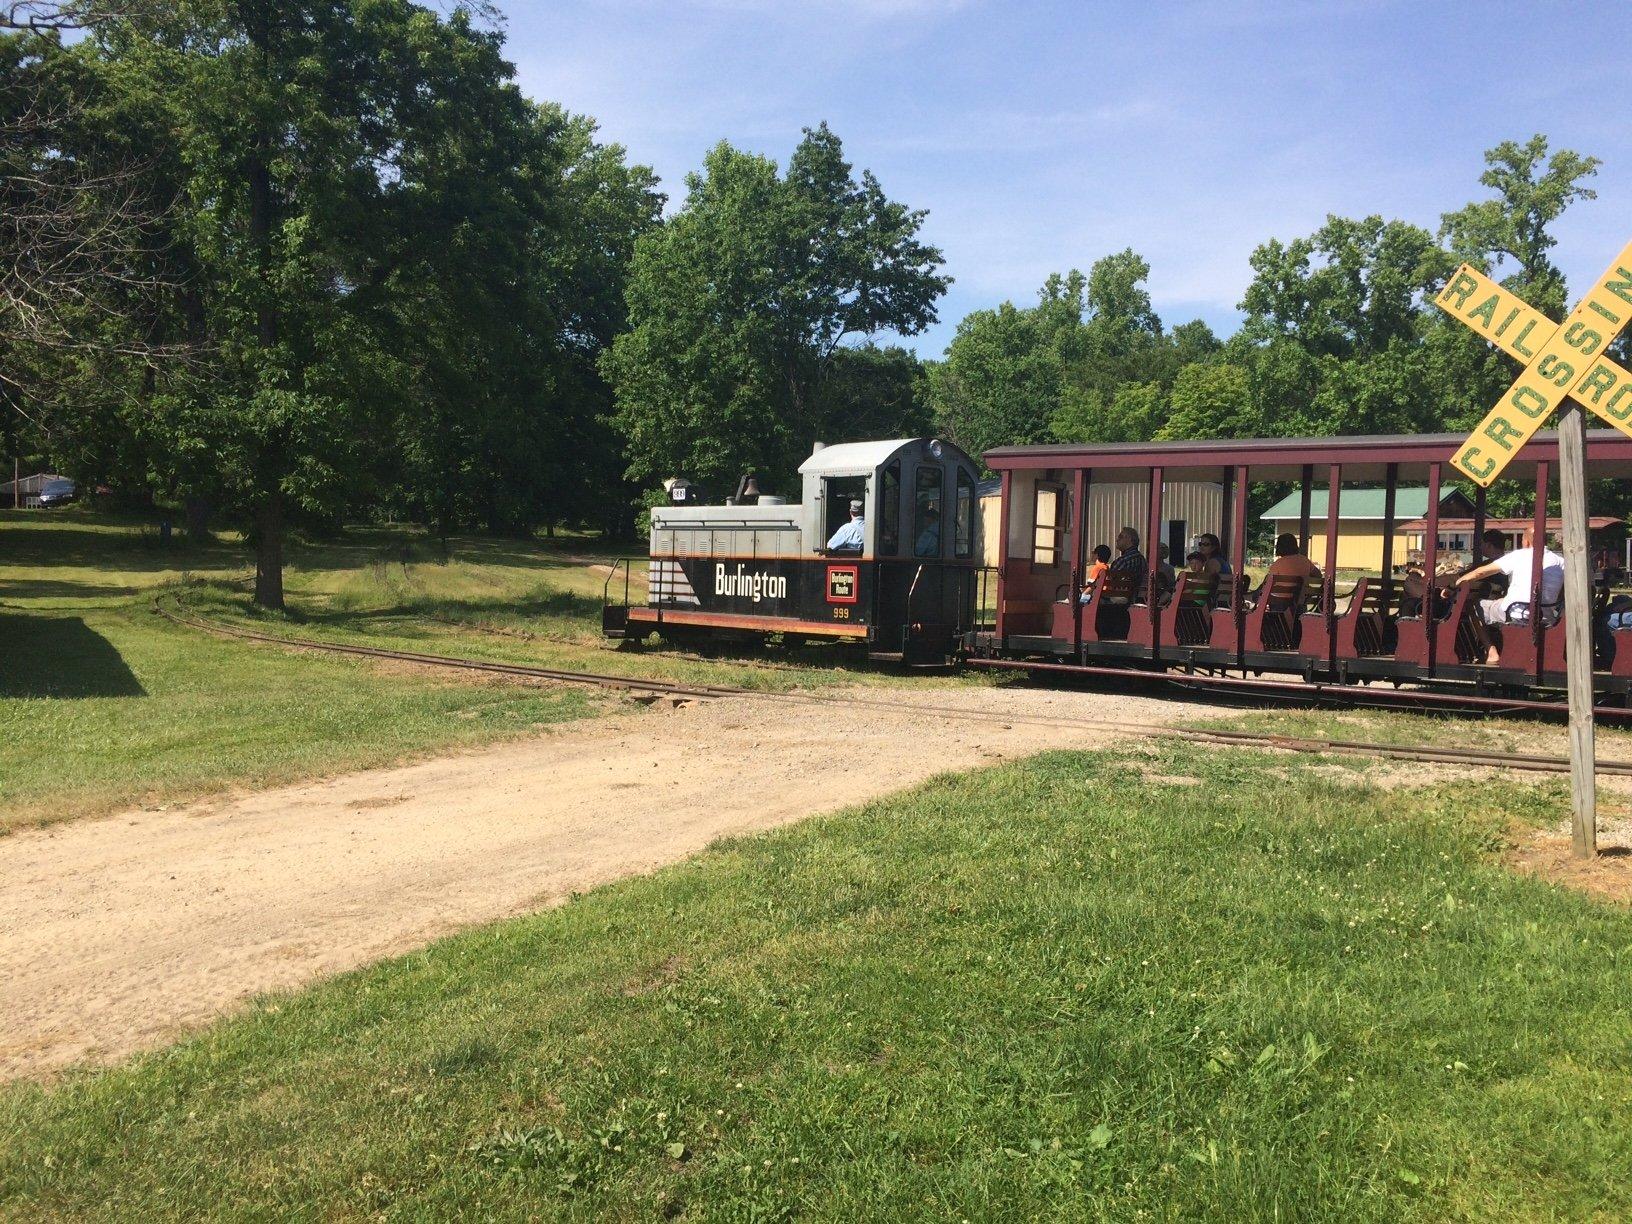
[[906, 587], [914, 577]]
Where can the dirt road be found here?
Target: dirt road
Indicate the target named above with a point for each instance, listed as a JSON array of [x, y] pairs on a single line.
[[120, 934]]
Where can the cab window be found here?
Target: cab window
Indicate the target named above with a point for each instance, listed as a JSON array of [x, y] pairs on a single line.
[[837, 494], [964, 539], [889, 511], [926, 521]]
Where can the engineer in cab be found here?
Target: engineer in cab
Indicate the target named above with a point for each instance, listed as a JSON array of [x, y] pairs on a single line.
[[851, 536]]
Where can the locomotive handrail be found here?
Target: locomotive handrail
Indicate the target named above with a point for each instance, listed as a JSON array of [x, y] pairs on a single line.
[[626, 564]]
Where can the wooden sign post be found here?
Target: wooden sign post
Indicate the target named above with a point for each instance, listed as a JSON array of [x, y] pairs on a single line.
[[1563, 361]]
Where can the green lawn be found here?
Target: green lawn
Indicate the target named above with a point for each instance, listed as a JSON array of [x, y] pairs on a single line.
[[534, 602], [1054, 990], [1402, 727], [104, 704]]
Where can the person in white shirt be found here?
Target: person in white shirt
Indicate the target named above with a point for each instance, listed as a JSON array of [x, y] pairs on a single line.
[[852, 535], [1519, 567]]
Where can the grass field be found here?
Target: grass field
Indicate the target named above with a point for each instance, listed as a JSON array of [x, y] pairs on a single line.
[[1055, 990], [103, 704]]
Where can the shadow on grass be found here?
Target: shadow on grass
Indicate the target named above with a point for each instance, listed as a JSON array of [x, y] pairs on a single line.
[[361, 547], [60, 656], [555, 608], [52, 588], [72, 544]]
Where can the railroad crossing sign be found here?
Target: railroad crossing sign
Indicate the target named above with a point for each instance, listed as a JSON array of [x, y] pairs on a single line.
[[1560, 359], [1563, 361]]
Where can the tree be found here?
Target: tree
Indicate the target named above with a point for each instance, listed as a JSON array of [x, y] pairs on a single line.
[[506, 285], [1089, 363], [1212, 400], [1334, 330], [395, 272], [1532, 191], [289, 124], [740, 303], [1134, 414], [1000, 384], [81, 217], [874, 391]]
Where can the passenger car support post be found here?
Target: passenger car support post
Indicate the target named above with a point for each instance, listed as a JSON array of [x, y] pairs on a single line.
[[1430, 560], [1152, 541], [1328, 602]]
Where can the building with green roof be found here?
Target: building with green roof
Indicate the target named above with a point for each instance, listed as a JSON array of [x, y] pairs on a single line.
[[1360, 523]]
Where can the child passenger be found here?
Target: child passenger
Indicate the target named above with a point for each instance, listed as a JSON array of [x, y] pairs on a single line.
[[1197, 565]]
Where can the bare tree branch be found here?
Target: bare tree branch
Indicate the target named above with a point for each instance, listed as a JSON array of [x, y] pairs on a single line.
[[83, 249]]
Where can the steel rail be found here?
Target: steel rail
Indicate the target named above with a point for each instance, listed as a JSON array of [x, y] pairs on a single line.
[[1311, 690], [1467, 757], [1289, 743]]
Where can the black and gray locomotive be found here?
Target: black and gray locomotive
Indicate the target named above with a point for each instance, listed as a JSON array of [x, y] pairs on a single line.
[[761, 565]]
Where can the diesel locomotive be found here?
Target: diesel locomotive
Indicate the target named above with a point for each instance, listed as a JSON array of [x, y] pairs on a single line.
[[902, 580]]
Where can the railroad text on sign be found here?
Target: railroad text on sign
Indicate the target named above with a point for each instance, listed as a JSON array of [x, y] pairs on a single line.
[[1561, 359]]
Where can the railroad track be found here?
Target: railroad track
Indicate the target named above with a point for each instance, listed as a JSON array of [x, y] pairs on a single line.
[[636, 685], [656, 689]]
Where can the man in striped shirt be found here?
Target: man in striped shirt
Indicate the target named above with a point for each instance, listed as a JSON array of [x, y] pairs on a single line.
[[1128, 556]]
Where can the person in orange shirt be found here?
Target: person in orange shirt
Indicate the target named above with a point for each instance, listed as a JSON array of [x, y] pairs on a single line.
[[1097, 568], [1289, 563], [1101, 564]]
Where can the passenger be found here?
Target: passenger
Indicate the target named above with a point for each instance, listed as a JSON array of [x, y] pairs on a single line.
[[1289, 563], [1166, 576], [1128, 556], [1098, 568], [1445, 575], [853, 534], [1101, 563], [1213, 552], [1195, 565], [1518, 567], [929, 539]]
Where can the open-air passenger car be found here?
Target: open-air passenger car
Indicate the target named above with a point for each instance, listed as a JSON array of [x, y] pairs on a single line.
[[1361, 629]]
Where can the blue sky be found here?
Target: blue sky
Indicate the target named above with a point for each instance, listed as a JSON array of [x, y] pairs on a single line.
[[1042, 135]]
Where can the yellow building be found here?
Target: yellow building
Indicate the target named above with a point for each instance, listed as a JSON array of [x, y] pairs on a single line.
[[1360, 524]]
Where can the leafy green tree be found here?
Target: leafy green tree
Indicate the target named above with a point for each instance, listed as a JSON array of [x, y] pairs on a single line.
[[296, 125], [1089, 363], [1116, 294], [1001, 382], [740, 303], [1134, 414], [1212, 400], [389, 275], [874, 391], [1532, 191], [1334, 328], [506, 285]]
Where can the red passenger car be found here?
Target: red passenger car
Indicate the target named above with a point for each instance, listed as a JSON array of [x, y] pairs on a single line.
[[1361, 628]]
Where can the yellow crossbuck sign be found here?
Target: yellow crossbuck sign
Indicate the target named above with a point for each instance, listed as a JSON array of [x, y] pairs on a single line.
[[1560, 359]]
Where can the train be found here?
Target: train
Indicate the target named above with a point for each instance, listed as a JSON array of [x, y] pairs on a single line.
[[1040, 605]]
